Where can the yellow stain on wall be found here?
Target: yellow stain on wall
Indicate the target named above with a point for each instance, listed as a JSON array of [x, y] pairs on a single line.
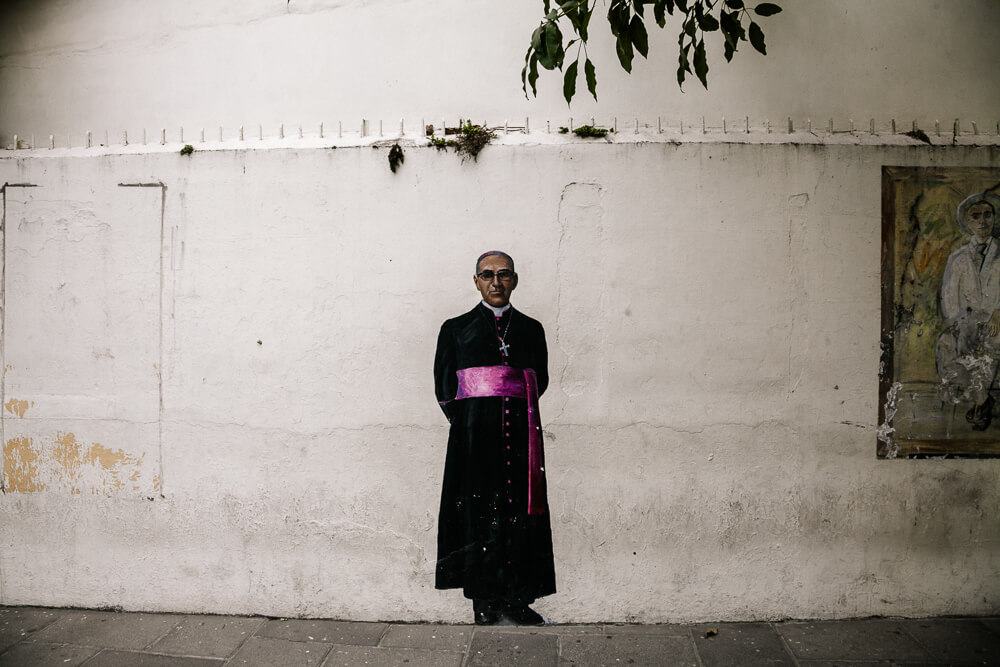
[[70, 457], [67, 455], [16, 407], [68, 465], [20, 466]]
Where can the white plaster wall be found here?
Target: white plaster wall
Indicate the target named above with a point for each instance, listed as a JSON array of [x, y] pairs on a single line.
[[713, 319], [108, 66]]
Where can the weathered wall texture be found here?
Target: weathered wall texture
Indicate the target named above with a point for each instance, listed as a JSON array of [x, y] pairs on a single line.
[[106, 65], [218, 393]]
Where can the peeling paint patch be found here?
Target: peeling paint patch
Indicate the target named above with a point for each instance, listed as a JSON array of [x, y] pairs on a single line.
[[71, 458], [885, 429], [106, 353], [20, 466], [16, 407], [64, 464]]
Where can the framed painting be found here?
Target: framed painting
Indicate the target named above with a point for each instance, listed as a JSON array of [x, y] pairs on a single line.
[[939, 393]]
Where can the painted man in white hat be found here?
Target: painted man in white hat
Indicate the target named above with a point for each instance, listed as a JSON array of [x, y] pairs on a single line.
[[968, 351]]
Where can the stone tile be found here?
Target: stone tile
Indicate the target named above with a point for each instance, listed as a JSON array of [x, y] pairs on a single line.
[[108, 629], [353, 633], [852, 663], [874, 640], [628, 649], [39, 654], [435, 637], [268, 652], [207, 636], [510, 649], [109, 658], [955, 641], [748, 644], [17, 623], [378, 656], [549, 629], [667, 629]]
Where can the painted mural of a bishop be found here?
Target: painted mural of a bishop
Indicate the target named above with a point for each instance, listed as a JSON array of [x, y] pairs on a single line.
[[494, 535]]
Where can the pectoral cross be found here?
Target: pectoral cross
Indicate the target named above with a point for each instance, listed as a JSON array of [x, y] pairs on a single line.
[[504, 347]]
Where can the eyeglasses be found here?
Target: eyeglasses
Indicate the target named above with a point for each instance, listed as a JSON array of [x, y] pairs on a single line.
[[503, 274]]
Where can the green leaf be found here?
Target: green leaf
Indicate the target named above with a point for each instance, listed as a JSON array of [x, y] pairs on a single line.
[[550, 48], [708, 23], [735, 4], [730, 50], [533, 74], [585, 13], [524, 73], [574, 20], [701, 63], [637, 30], [588, 70], [681, 5], [536, 38], [690, 27], [553, 40], [618, 17], [623, 47], [659, 13], [730, 28], [757, 38], [569, 82], [682, 61], [638, 6], [766, 9]]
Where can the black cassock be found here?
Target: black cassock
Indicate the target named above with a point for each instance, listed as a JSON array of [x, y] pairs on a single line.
[[488, 545]]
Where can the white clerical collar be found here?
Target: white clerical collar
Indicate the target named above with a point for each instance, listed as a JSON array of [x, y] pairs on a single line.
[[497, 312]]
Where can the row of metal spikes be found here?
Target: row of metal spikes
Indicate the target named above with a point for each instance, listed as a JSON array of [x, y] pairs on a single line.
[[365, 129]]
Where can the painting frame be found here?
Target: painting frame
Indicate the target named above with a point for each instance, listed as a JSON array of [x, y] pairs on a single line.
[[921, 411]]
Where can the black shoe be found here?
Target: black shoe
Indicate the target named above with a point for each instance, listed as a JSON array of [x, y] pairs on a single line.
[[523, 615], [970, 415], [487, 618], [485, 612], [983, 415]]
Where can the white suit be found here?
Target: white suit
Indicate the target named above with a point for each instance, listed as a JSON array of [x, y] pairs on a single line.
[[967, 356]]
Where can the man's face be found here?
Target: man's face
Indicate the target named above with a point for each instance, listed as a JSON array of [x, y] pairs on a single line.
[[495, 291], [979, 220]]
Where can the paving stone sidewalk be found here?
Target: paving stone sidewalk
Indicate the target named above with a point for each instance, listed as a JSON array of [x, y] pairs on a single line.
[[32, 636]]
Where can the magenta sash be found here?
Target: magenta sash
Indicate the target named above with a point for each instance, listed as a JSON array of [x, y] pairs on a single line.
[[486, 381]]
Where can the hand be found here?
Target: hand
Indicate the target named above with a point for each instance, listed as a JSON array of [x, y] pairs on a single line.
[[993, 324]]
